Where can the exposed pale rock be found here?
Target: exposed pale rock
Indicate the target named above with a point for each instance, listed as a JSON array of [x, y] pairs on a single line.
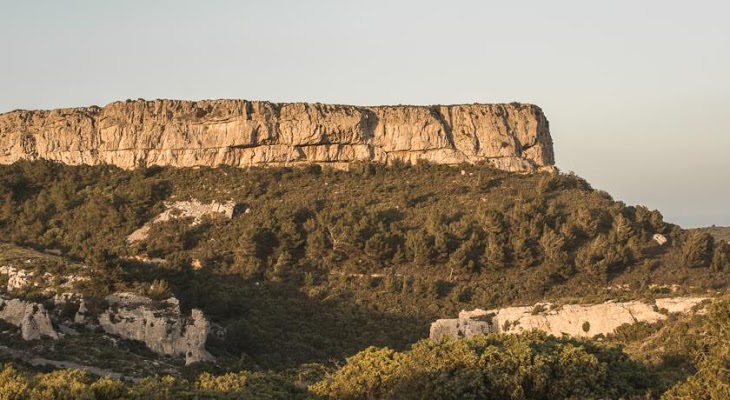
[[160, 325], [32, 318], [185, 209], [679, 304], [660, 239], [17, 278], [570, 319], [66, 297], [140, 234], [242, 133], [195, 337], [67, 330], [82, 316]]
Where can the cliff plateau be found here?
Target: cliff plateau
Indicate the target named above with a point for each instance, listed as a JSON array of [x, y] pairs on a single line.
[[513, 137]]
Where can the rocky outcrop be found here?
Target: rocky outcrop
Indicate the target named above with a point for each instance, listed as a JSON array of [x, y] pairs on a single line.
[[17, 278], [20, 278], [83, 316], [242, 133], [660, 239], [160, 325], [32, 318], [185, 209], [570, 319]]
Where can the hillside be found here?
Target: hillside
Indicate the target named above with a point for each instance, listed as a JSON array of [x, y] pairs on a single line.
[[720, 233], [330, 262], [296, 269]]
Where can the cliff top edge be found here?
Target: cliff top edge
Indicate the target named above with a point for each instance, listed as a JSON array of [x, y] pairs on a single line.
[[284, 103]]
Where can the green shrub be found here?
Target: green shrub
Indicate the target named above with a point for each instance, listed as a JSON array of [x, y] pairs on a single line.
[[488, 367], [159, 290]]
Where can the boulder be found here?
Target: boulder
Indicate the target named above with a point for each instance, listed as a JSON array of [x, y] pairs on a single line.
[[32, 318], [83, 317], [660, 239]]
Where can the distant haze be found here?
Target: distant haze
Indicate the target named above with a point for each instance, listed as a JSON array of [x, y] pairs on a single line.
[[637, 93]]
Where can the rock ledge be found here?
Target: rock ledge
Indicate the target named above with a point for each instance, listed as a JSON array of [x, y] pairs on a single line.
[[571, 319]]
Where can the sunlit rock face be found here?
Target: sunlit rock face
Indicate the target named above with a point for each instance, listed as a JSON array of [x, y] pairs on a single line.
[[513, 137], [571, 319], [159, 324], [185, 209], [32, 318]]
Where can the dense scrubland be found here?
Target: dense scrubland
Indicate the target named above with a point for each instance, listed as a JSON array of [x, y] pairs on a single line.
[[682, 358], [317, 266]]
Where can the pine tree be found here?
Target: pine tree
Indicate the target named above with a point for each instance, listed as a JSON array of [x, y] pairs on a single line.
[[283, 267]]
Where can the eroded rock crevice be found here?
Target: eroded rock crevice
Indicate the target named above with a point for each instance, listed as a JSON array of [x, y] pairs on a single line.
[[33, 319], [160, 325]]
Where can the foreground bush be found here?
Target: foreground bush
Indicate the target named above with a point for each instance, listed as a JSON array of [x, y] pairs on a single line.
[[76, 385], [712, 380], [530, 366]]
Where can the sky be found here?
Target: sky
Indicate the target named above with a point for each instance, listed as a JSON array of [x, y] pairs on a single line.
[[637, 92]]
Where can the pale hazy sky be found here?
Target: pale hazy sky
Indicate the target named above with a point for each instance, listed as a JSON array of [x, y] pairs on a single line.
[[637, 92]]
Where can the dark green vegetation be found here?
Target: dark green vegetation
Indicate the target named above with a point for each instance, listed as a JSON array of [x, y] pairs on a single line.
[[689, 355], [76, 385], [685, 358], [720, 233], [692, 364], [318, 264], [532, 366]]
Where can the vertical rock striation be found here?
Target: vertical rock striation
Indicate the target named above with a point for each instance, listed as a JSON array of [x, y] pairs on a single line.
[[32, 318], [160, 325], [129, 134]]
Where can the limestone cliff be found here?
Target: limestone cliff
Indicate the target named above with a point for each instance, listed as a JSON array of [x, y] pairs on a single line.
[[571, 319], [32, 318], [160, 325], [242, 133], [184, 209]]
